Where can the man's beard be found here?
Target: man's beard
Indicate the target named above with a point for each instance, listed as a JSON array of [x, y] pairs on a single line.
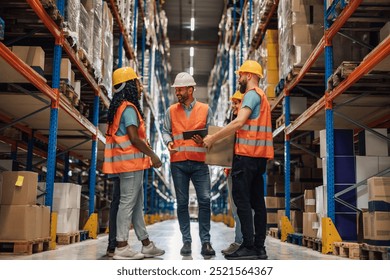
[[243, 87]]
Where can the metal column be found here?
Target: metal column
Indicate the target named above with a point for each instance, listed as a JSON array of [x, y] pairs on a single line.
[[52, 150], [287, 155], [92, 169], [329, 126]]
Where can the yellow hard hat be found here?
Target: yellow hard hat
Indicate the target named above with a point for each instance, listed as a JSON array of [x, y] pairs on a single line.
[[122, 75], [237, 95], [251, 66]]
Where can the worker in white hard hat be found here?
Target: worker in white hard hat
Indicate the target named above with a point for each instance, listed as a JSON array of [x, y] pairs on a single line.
[[253, 148], [188, 160]]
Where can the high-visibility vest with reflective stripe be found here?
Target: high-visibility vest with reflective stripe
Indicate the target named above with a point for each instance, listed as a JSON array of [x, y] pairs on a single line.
[[187, 149], [254, 138], [120, 155]]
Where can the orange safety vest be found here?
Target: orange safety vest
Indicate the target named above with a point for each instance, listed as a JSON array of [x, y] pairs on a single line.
[[120, 155], [254, 138], [187, 149]]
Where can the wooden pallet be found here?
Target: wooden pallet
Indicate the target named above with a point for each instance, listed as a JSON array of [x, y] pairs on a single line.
[[69, 93], [372, 252], [274, 232], [313, 243], [347, 250], [52, 10], [82, 55], [341, 73], [24, 247], [68, 238]]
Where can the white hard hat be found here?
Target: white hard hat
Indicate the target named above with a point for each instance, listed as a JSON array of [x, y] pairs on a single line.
[[184, 79]]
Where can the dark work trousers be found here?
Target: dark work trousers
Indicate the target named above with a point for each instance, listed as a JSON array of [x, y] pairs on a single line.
[[248, 194], [113, 213]]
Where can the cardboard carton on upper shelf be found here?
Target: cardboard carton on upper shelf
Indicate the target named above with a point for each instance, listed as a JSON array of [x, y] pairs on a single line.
[[32, 56]]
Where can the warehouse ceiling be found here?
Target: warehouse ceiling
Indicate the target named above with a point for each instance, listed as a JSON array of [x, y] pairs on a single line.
[[204, 39]]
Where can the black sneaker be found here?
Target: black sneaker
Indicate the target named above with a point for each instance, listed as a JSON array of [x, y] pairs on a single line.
[[243, 253], [207, 250], [186, 249], [261, 253]]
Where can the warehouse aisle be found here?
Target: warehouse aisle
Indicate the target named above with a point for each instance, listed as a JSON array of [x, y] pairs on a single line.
[[167, 235]]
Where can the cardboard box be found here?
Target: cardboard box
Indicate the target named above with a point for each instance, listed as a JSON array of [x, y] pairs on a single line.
[[310, 200], [272, 218], [376, 226], [20, 222], [221, 153], [45, 230], [379, 189], [273, 202], [310, 224], [296, 220], [19, 188], [32, 56], [65, 70]]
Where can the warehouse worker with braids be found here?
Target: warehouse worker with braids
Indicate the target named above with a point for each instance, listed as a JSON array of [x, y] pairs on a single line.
[[253, 147], [128, 154], [188, 160]]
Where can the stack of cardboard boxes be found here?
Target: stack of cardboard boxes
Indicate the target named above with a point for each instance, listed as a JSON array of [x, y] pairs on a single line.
[[376, 222], [20, 218]]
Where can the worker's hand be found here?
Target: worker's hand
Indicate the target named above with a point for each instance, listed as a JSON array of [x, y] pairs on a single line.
[[208, 141], [171, 149], [198, 139], [156, 162]]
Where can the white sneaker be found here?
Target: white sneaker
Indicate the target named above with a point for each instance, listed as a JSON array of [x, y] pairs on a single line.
[[151, 251], [125, 253]]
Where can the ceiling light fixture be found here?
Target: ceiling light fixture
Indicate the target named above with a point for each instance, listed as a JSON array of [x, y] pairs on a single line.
[[191, 71], [191, 51], [192, 24]]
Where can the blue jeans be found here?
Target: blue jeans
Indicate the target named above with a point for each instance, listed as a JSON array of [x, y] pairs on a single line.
[[113, 214], [131, 205], [198, 173]]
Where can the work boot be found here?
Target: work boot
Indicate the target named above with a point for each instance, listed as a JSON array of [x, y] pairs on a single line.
[[261, 253], [207, 249], [186, 249]]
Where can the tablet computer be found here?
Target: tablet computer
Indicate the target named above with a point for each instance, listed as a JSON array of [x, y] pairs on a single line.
[[188, 134]]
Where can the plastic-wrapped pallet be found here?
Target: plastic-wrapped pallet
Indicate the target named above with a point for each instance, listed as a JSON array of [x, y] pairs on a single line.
[[72, 19], [85, 33], [107, 49]]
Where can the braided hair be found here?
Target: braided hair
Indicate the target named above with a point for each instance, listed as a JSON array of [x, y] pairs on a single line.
[[128, 93]]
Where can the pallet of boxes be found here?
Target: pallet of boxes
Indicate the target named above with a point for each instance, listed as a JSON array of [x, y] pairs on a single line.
[[66, 203], [376, 221], [24, 225]]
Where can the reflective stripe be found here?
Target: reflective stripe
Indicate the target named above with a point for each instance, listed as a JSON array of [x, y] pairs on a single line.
[[256, 128], [258, 143], [122, 145], [178, 137], [191, 149], [124, 157]]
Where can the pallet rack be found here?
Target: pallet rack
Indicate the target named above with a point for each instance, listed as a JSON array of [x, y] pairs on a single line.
[[332, 101], [70, 133]]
